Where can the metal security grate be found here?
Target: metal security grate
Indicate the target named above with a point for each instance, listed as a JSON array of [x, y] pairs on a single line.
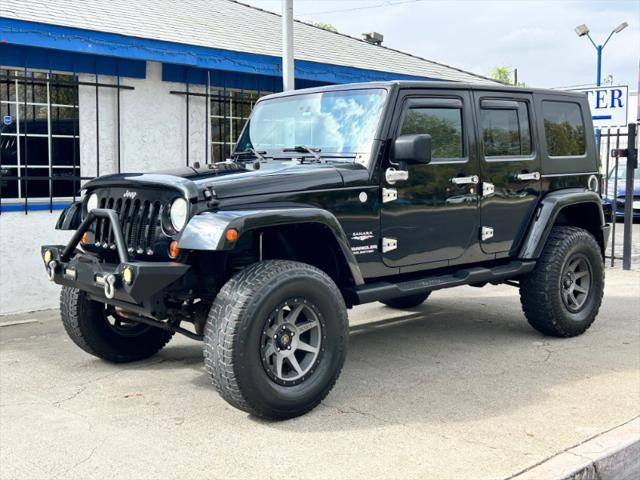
[[139, 220], [40, 137], [614, 192]]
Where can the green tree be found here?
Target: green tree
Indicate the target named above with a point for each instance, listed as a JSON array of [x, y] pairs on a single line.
[[325, 26], [504, 74]]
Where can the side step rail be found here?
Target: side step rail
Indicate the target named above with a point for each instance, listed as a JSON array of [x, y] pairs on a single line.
[[375, 292]]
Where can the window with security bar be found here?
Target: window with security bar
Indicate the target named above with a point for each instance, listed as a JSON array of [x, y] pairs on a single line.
[[229, 111], [39, 135]]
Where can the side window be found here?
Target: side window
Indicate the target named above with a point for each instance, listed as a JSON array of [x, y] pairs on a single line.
[[443, 124], [505, 129], [564, 129]]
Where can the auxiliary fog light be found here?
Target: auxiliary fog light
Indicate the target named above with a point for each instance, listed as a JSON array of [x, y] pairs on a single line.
[[127, 275]]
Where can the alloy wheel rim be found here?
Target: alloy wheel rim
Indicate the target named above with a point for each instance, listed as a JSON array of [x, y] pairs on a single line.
[[292, 341], [575, 283]]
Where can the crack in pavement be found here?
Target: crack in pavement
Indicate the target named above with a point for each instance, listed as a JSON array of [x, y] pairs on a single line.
[[83, 386], [353, 410], [85, 459], [582, 457]]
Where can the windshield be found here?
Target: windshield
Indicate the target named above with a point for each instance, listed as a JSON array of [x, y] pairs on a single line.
[[622, 173], [333, 122]]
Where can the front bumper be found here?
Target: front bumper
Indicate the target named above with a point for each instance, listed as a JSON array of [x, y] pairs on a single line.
[[106, 282]]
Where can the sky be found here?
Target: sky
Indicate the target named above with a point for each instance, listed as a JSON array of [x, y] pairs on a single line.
[[534, 36]]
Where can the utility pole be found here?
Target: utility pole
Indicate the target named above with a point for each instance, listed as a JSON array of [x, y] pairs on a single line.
[[288, 81]]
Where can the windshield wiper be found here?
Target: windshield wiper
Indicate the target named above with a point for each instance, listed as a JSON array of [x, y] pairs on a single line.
[[259, 155], [304, 149]]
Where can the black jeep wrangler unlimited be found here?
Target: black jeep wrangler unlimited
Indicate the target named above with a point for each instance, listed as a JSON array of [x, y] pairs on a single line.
[[335, 197]]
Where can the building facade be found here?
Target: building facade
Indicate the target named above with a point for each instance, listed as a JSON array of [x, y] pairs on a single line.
[[89, 88]]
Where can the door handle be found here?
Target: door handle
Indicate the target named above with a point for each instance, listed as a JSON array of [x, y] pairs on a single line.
[[392, 175], [528, 176], [473, 180]]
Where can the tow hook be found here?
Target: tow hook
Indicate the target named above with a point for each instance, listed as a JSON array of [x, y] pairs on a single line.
[[51, 271], [110, 286]]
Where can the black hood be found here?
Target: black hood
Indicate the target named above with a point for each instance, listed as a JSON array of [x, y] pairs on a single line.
[[236, 180]]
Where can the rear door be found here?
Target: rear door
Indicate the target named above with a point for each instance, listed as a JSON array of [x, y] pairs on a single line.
[[510, 168]]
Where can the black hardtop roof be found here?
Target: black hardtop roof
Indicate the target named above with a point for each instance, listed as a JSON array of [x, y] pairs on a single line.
[[431, 85]]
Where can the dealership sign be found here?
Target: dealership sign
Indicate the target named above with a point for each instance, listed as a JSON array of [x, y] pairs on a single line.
[[608, 105]]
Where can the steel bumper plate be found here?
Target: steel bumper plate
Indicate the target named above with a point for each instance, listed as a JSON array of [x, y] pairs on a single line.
[[88, 273]]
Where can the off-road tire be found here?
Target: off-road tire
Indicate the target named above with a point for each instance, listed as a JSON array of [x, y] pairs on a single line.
[[235, 325], [409, 301], [86, 324], [540, 290]]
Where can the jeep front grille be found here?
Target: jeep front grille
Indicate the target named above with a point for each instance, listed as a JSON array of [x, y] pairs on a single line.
[[139, 220]]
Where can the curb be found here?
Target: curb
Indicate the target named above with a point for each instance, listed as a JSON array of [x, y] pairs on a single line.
[[614, 454]]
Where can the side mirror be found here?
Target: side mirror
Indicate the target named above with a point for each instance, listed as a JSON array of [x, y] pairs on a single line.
[[412, 149]]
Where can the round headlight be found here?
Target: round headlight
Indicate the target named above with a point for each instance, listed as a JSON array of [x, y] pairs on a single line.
[[92, 203], [178, 213]]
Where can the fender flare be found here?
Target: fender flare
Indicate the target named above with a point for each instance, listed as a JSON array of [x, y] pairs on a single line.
[[205, 231], [71, 217], [547, 213]]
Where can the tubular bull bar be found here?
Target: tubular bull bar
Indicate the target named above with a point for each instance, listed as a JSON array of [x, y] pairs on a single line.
[[128, 283]]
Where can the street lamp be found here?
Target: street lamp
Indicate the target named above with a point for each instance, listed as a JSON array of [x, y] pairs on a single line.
[[582, 30]]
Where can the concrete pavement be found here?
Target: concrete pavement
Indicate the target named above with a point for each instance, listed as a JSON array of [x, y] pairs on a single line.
[[460, 387]]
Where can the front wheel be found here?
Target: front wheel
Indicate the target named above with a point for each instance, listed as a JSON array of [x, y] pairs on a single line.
[[562, 295], [276, 338], [101, 332]]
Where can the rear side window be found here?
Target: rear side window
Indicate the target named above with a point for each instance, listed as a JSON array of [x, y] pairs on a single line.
[[443, 124], [505, 129], [564, 129]]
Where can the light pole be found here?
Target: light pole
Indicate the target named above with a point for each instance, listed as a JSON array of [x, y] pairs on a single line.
[[288, 80], [582, 30]]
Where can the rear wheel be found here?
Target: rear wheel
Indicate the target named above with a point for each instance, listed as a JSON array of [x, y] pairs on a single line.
[[562, 295], [276, 338], [103, 333], [409, 301]]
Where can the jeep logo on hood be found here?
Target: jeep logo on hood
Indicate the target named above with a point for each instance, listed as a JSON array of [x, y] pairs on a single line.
[[129, 194]]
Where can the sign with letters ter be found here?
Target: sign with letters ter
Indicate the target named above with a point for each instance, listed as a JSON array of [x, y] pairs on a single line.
[[609, 105]]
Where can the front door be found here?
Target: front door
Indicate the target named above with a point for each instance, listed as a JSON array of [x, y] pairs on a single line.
[[510, 168], [432, 216]]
